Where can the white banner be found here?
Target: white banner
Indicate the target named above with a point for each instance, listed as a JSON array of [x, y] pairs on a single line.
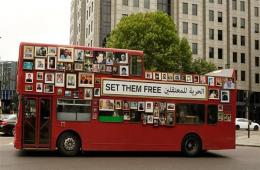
[[153, 89]]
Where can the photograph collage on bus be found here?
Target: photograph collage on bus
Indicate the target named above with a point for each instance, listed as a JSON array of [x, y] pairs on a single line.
[[147, 113], [47, 67]]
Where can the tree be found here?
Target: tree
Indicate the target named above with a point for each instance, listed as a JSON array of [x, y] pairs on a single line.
[[201, 66], [156, 35]]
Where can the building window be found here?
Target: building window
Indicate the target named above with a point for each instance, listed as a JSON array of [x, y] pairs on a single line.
[[124, 15], [236, 74], [194, 48], [243, 40], [242, 5], [243, 58], [243, 75], [125, 2], [257, 61], [242, 23], [234, 57], [257, 78], [234, 39], [256, 12], [219, 16], [219, 1], [92, 6], [211, 15], [147, 4], [185, 27], [256, 28], [234, 21], [257, 44], [185, 111], [194, 29], [234, 4], [136, 3], [194, 9], [220, 35], [220, 53], [185, 8], [211, 52], [211, 34], [211, 1]]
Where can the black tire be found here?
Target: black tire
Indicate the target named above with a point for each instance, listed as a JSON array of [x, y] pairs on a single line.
[[69, 144], [191, 145], [237, 127], [256, 128]]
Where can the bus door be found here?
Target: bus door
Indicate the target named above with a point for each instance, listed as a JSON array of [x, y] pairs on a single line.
[[36, 122]]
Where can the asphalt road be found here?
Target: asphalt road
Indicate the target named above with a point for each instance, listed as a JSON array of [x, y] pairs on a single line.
[[242, 158]]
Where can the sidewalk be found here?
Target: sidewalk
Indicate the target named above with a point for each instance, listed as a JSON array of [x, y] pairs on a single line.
[[243, 140]]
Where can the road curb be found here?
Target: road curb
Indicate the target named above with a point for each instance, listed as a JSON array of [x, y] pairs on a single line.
[[247, 145]]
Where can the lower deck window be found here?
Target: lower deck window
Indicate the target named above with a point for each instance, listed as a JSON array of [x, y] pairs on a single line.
[[73, 110], [190, 113]]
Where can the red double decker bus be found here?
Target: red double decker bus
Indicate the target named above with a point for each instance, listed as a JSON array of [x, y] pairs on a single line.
[[75, 98]]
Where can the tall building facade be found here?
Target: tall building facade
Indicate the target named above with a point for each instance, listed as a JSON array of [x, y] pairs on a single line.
[[225, 32], [8, 73]]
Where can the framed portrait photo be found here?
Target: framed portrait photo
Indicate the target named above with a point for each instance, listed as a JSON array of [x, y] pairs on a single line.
[[133, 105], [71, 81], [76, 94], [59, 79], [211, 81], [149, 75], [126, 105], [40, 51], [28, 87], [79, 55], [49, 77], [109, 58], [177, 77], [196, 79], [95, 68], [97, 92], [39, 63], [213, 94], [170, 106], [86, 80], [78, 66], [225, 96], [88, 53], [52, 62], [170, 77], [149, 107], [124, 71], [48, 88], [28, 77], [203, 79], [220, 107], [150, 119], [52, 51], [59, 91], [28, 52], [141, 106], [39, 87], [219, 81], [67, 93], [118, 104], [157, 76], [99, 57], [39, 76], [188, 79], [121, 57], [109, 69], [65, 54], [106, 105], [164, 76], [27, 65], [115, 70]]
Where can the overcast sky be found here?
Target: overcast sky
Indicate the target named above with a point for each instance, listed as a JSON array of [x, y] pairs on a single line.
[[42, 21]]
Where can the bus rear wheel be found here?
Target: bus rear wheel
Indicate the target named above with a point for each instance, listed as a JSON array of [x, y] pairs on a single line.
[[191, 145], [69, 144]]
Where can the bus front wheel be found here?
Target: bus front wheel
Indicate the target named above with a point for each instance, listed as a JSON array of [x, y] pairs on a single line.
[[69, 144], [191, 145]]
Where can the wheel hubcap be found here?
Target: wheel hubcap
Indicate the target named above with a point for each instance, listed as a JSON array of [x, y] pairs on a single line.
[[191, 145], [69, 144]]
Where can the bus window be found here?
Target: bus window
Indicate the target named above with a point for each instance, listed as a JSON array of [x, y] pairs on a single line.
[[212, 114], [111, 116], [190, 113], [136, 66], [73, 110]]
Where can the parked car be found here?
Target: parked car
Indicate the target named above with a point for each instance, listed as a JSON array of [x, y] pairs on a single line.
[[242, 123], [7, 124]]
